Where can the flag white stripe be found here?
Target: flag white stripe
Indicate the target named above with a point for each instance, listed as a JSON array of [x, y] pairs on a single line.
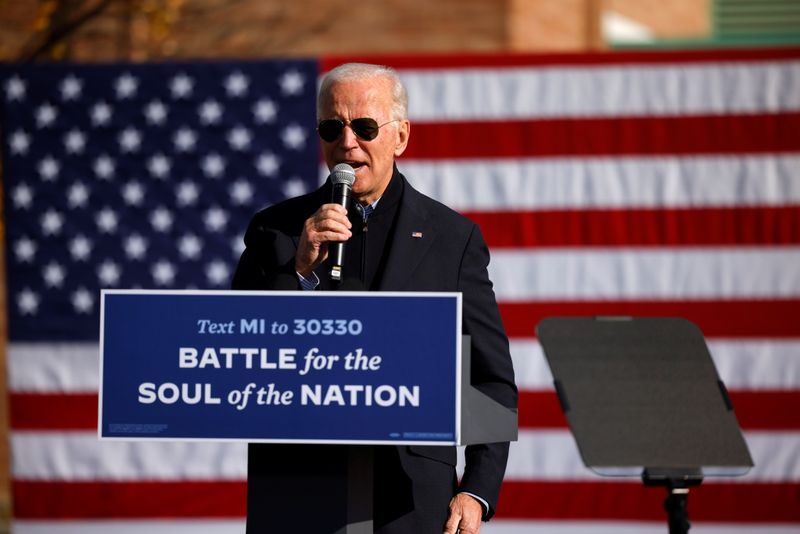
[[645, 273], [553, 455], [80, 456], [741, 363], [53, 367], [605, 182], [131, 526], [515, 93], [539, 455], [746, 364]]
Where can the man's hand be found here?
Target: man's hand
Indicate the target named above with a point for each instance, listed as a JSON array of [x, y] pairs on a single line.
[[328, 224], [465, 515]]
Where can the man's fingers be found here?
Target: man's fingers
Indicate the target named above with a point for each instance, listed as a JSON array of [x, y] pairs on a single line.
[[451, 527], [329, 223], [465, 515]]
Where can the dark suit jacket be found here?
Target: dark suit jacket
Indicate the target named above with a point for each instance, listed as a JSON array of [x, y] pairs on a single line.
[[451, 255]]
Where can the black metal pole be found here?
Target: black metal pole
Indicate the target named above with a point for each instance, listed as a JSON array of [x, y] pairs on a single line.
[[675, 504]]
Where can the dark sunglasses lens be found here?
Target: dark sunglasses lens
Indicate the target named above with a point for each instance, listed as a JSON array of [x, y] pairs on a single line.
[[366, 129], [330, 129]]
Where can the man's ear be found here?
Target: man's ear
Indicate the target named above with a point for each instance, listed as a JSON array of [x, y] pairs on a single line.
[[403, 133]]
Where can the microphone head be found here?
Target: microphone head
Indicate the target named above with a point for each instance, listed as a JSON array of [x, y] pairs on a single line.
[[343, 174]]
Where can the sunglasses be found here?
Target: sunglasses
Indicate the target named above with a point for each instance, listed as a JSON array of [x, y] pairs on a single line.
[[367, 129]]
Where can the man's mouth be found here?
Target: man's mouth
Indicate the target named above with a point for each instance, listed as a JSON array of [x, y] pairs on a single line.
[[356, 164]]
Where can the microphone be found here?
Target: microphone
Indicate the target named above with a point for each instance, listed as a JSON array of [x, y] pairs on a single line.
[[342, 176]]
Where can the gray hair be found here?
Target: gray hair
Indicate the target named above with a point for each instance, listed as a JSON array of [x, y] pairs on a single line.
[[366, 71]]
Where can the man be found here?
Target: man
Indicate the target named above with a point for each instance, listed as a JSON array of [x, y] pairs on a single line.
[[413, 244]]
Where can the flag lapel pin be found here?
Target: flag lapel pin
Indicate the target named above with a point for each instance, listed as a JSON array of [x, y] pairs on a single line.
[[416, 235]]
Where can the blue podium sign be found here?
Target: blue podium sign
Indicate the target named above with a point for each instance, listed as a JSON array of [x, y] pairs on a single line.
[[303, 367]]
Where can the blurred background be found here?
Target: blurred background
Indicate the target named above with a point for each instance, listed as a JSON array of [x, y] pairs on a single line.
[[148, 30], [476, 33]]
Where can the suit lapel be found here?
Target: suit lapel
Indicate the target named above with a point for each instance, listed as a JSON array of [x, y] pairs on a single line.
[[412, 239]]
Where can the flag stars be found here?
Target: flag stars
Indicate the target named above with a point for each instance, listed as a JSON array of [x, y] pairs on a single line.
[[190, 246], [104, 167], [77, 195], [210, 112], [53, 275], [126, 86], [135, 247], [108, 273], [265, 111], [239, 138], [52, 222], [181, 86], [133, 193], [80, 248], [294, 136], [213, 165], [100, 114], [22, 196], [45, 115], [237, 246], [215, 219], [184, 140], [48, 169], [187, 193], [268, 164], [292, 83], [15, 88], [107, 220], [82, 300], [159, 166], [236, 84], [19, 142], [129, 140], [149, 146], [163, 273], [294, 187], [75, 141], [71, 88], [161, 219], [241, 192], [156, 113], [218, 273], [25, 249], [27, 302]]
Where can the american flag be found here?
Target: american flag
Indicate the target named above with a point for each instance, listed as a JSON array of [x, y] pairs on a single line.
[[658, 184]]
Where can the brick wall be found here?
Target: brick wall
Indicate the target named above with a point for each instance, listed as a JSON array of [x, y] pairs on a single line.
[[153, 29]]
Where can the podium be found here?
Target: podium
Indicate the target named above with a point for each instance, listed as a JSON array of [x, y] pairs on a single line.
[[338, 483], [642, 398], [320, 376]]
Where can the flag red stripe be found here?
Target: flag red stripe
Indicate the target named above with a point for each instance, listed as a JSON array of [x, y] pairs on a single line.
[[685, 135], [717, 318], [735, 502], [53, 411], [756, 410], [462, 61], [121, 500], [641, 227], [730, 502]]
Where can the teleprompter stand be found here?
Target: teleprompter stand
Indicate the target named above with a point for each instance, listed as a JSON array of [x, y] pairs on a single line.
[[642, 397]]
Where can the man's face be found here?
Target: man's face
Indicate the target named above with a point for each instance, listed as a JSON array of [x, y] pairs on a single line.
[[372, 160]]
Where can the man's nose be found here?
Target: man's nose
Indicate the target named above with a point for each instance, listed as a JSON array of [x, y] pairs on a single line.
[[349, 138]]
